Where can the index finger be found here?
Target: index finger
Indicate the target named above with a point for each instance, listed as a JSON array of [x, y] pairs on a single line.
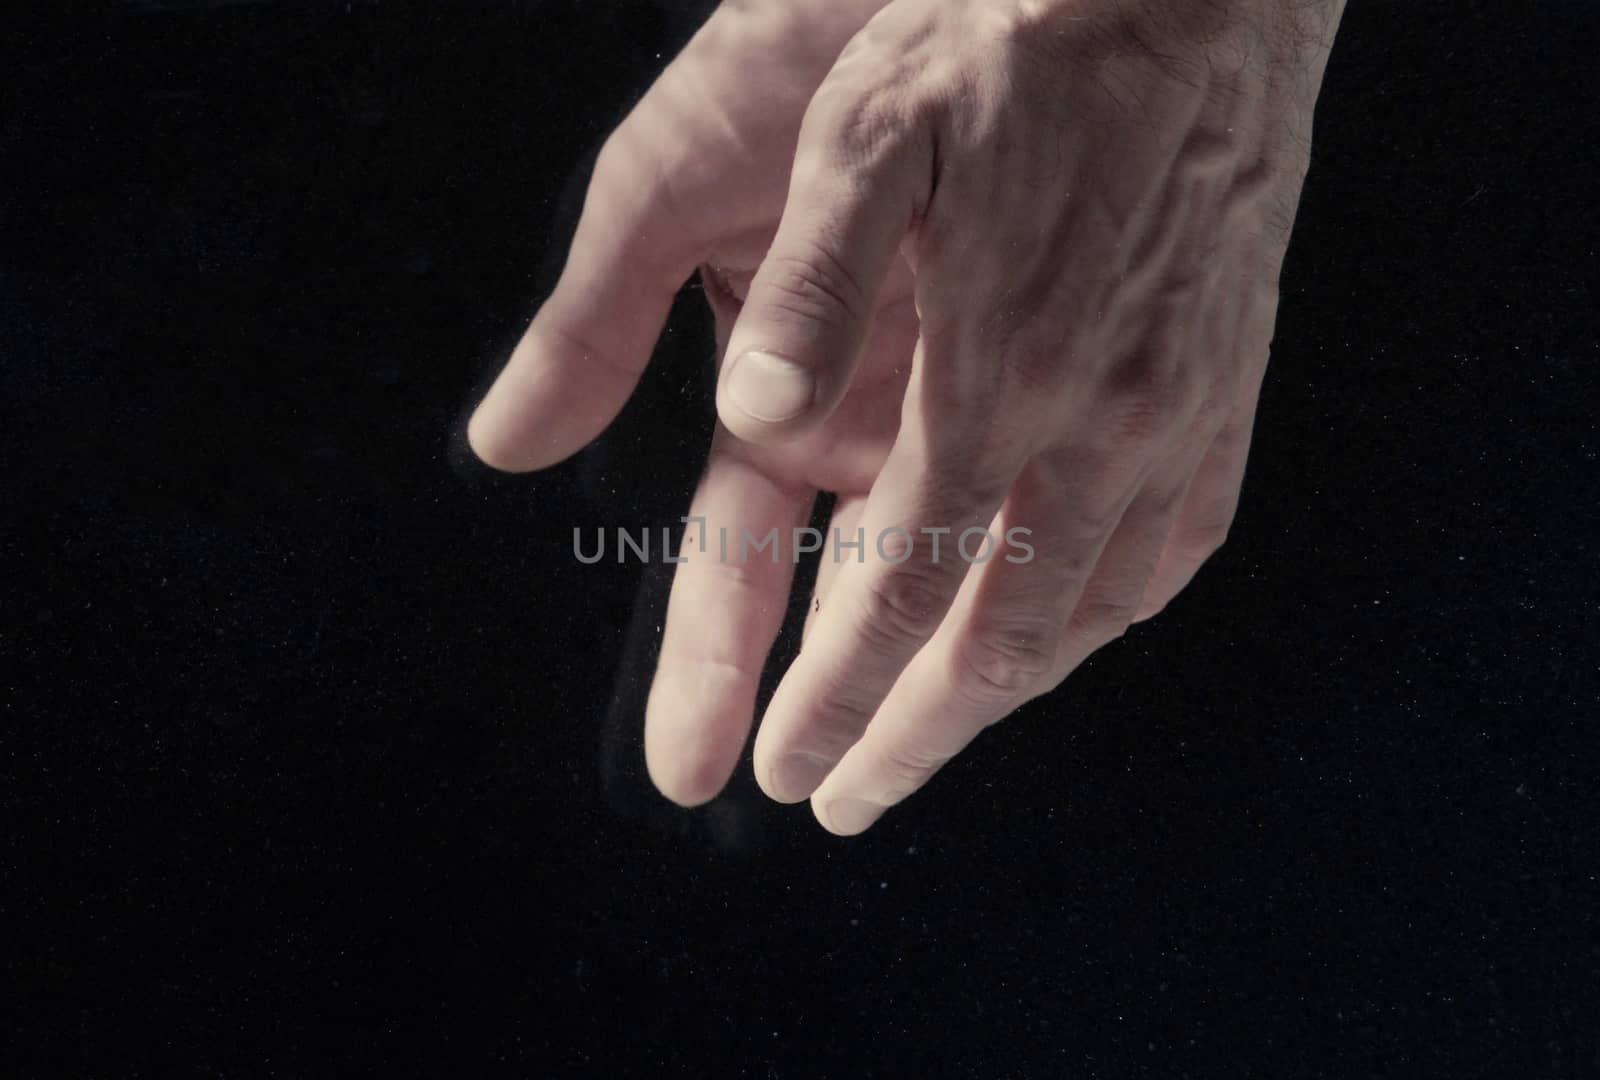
[[591, 340]]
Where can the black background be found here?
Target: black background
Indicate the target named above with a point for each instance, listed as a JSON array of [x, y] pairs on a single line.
[[321, 755]]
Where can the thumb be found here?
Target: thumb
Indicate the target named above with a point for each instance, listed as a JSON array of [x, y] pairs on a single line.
[[799, 336]]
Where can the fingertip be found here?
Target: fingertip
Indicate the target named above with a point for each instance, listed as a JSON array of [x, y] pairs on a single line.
[[685, 784], [499, 428], [690, 753], [686, 771], [765, 397], [490, 443], [793, 777], [546, 405], [846, 817]]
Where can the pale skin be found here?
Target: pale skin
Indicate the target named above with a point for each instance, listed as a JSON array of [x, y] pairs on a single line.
[[974, 263]]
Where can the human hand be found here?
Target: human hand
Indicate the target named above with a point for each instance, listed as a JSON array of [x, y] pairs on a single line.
[[1094, 200], [697, 175]]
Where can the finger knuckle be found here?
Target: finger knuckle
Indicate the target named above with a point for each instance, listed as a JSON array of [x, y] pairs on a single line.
[[1101, 619], [1099, 510], [1025, 33], [1000, 663], [1138, 416], [1098, 481], [1152, 390], [957, 442], [906, 767], [1031, 347], [814, 285], [854, 126], [837, 720], [970, 463], [904, 604], [742, 577], [969, 474]]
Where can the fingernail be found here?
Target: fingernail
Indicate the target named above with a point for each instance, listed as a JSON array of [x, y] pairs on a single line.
[[797, 776], [850, 816], [770, 388]]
